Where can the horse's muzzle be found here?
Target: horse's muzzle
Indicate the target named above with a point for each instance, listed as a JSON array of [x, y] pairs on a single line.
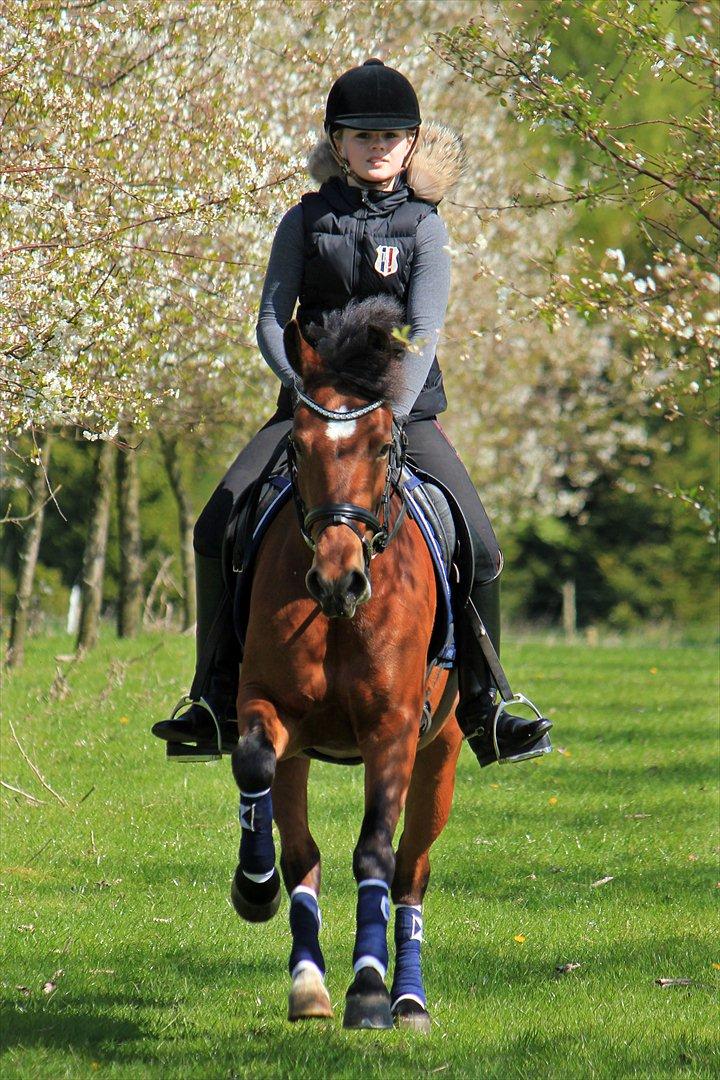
[[338, 599]]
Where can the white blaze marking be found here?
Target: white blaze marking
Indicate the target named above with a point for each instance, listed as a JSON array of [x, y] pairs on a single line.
[[340, 429]]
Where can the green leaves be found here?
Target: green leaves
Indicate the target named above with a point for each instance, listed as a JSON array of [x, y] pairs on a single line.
[[623, 95]]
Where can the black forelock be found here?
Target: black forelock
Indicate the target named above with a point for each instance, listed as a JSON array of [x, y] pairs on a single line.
[[353, 360]]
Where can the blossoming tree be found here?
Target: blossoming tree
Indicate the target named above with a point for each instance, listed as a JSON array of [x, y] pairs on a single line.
[[659, 305], [150, 149]]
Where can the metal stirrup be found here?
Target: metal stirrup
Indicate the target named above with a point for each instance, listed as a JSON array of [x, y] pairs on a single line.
[[186, 699], [503, 706]]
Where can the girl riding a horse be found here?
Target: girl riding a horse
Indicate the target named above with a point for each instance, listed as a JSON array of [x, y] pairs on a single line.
[[371, 229], [334, 664]]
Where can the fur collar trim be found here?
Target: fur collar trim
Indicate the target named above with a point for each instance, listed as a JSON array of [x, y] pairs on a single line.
[[435, 168]]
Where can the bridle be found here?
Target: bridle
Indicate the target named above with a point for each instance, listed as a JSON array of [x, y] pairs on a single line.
[[347, 513]]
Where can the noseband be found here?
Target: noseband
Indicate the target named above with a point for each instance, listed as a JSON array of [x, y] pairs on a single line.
[[348, 513]]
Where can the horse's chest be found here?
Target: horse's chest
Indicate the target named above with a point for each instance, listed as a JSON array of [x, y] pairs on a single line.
[[335, 668]]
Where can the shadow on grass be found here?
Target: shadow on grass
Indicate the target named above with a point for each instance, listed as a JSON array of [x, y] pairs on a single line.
[[275, 1049], [31, 1025], [90, 1021], [178, 1032]]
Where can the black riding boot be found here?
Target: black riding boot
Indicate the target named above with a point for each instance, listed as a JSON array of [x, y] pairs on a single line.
[[193, 735], [517, 738]]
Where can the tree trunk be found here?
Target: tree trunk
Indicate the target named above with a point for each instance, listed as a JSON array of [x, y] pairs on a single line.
[[131, 566], [28, 557], [185, 519], [569, 610], [93, 569]]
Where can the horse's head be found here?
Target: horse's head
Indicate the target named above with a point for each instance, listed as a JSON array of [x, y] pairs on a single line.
[[344, 446]]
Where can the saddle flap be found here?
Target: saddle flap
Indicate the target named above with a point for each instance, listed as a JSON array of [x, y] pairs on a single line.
[[434, 506], [429, 509], [462, 551]]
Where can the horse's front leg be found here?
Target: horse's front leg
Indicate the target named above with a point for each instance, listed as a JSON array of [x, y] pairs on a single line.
[[255, 890], [300, 865], [388, 757], [426, 814]]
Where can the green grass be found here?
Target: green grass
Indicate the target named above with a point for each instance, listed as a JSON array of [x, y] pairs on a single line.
[[124, 889]]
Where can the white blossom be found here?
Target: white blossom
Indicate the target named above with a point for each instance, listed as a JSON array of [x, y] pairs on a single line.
[[618, 255]]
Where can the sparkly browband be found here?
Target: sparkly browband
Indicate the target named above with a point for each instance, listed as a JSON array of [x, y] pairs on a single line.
[[329, 414]]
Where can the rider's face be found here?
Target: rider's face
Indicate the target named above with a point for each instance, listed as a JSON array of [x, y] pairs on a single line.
[[375, 156]]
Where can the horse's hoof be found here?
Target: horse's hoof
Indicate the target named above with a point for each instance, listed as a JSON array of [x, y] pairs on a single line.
[[259, 909], [367, 1002], [411, 1015], [309, 999]]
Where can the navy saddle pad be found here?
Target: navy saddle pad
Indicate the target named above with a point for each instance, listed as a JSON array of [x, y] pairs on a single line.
[[426, 504]]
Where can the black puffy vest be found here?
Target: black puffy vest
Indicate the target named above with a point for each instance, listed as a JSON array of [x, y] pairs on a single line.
[[358, 244]]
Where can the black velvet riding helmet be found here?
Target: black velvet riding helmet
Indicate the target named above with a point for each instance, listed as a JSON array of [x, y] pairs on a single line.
[[372, 97]]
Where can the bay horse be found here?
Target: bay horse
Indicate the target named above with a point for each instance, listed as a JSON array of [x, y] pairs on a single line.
[[336, 665]]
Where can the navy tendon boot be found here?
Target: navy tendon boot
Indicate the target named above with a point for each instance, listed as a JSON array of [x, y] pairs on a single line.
[[493, 733], [208, 728]]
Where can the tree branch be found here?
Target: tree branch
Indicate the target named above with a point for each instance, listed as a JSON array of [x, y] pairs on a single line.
[[8, 520]]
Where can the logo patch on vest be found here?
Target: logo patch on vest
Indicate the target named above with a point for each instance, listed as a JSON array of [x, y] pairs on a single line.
[[386, 262]]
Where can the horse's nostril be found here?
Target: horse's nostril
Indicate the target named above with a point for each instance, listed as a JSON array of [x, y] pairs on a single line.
[[314, 584], [341, 597], [359, 586]]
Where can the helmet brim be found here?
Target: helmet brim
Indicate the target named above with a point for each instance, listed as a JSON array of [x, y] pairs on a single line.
[[376, 123]]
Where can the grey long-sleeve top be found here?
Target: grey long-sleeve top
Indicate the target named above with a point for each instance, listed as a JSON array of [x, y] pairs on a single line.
[[427, 299]]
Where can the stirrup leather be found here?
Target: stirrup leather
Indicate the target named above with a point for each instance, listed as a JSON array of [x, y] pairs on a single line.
[[507, 698]]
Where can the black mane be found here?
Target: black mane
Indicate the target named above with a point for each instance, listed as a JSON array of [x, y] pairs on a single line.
[[359, 353]]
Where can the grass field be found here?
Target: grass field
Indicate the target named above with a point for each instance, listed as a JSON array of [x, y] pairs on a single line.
[[123, 958]]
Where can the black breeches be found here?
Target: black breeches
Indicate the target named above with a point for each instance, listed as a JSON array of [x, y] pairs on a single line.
[[428, 446], [247, 466]]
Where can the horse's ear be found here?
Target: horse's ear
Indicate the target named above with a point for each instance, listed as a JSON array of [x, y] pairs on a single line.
[[302, 358]]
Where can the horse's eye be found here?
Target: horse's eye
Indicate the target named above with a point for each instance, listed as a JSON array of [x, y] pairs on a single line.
[[384, 451]]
